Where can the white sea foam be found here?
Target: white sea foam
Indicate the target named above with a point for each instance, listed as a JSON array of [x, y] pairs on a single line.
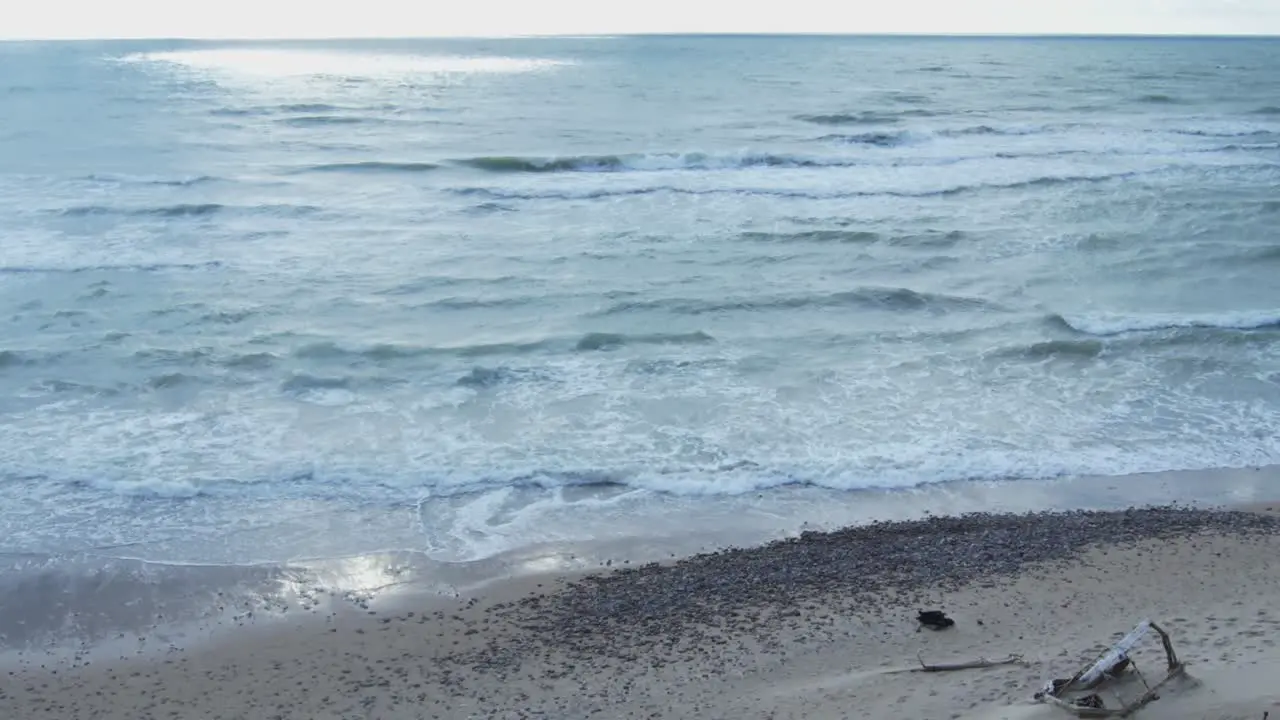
[[566, 456], [1103, 324]]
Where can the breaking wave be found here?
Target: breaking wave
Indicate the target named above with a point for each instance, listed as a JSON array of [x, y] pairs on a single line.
[[858, 237], [144, 180], [1107, 324], [866, 117], [640, 162], [1040, 182], [373, 166], [590, 342], [874, 139], [1052, 349], [979, 130], [876, 298], [1222, 133], [610, 341], [928, 238], [302, 383]]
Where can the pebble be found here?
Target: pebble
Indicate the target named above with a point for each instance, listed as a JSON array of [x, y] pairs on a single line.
[[620, 613]]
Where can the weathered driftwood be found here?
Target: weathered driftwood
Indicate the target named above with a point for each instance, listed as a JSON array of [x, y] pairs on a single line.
[[972, 665], [1098, 672]]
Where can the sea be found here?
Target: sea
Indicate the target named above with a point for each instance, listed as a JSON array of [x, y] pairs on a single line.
[[269, 301]]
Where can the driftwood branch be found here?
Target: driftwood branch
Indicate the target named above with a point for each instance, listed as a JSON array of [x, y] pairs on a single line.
[[974, 665]]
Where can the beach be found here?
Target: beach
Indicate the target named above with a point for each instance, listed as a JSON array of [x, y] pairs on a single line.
[[634, 377], [818, 626]]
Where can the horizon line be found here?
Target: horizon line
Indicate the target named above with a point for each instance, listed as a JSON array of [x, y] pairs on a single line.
[[588, 36]]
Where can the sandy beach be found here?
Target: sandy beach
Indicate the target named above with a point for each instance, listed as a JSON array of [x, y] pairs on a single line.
[[821, 626]]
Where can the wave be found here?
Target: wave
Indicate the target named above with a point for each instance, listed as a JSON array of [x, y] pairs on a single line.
[[1268, 110], [198, 357], [669, 162], [1107, 324], [303, 109], [467, 303], [866, 117], [1267, 254], [227, 317], [1040, 182], [928, 238], [301, 383], [610, 341], [981, 130], [386, 352], [373, 166], [1158, 99], [484, 377], [147, 180], [874, 139], [145, 267], [1221, 133], [871, 298], [61, 387], [512, 164], [182, 210], [492, 349], [170, 380], [14, 358], [251, 361], [379, 353], [305, 121], [434, 282], [641, 162], [487, 208], [858, 237], [589, 342], [312, 108], [165, 356], [1053, 349], [733, 475], [1246, 146]]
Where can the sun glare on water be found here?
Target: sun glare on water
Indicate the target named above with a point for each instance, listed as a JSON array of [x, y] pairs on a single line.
[[278, 63]]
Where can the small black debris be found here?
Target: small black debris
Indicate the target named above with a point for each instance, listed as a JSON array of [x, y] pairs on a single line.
[[1090, 701], [935, 619]]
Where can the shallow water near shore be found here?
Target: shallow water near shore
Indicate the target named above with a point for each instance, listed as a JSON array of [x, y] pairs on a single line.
[[100, 606]]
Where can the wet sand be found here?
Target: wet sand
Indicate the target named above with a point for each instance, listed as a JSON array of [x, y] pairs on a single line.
[[819, 626]]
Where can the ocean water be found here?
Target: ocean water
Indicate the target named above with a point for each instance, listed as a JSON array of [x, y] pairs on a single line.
[[262, 302]]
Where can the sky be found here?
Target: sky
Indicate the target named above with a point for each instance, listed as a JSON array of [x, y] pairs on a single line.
[[489, 18]]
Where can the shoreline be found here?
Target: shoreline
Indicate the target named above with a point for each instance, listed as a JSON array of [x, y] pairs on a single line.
[[94, 606], [764, 622]]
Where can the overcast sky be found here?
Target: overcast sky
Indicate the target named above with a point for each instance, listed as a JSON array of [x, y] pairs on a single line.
[[364, 18]]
